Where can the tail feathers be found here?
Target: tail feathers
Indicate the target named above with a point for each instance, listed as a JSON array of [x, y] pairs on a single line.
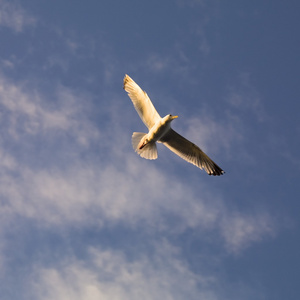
[[136, 138], [149, 151]]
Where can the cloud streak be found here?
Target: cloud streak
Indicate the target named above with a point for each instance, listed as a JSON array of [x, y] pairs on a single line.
[[14, 16], [32, 114], [81, 215], [60, 170], [111, 191], [109, 274]]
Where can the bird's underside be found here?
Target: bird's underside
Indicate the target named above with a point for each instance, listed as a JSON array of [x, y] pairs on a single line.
[[160, 131]]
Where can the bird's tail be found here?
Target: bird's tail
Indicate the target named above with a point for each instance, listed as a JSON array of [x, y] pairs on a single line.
[[148, 151]]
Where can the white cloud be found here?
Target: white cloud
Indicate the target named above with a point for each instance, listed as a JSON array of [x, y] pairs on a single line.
[[105, 194], [7, 63], [28, 113], [158, 63], [14, 16], [240, 230], [110, 275], [112, 186]]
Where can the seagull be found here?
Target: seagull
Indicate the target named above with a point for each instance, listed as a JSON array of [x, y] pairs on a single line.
[[160, 131]]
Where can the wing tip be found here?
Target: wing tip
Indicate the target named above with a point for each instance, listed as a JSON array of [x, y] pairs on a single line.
[[217, 172], [125, 80]]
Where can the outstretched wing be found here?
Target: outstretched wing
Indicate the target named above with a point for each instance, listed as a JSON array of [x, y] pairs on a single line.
[[190, 152], [141, 102]]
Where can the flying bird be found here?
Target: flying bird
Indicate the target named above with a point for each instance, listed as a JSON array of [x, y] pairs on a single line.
[[160, 131]]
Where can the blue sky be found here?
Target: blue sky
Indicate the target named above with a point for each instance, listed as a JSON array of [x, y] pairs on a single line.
[[84, 217]]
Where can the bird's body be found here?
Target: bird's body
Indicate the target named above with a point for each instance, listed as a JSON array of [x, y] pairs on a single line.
[[160, 131]]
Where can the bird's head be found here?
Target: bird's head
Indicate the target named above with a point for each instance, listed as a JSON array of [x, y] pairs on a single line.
[[169, 118]]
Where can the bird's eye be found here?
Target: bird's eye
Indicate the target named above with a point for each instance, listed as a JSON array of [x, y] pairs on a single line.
[[170, 115]]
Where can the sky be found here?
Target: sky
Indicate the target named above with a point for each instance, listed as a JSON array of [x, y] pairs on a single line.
[[82, 216]]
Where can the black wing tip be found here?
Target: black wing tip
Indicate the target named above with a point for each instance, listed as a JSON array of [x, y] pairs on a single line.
[[217, 173]]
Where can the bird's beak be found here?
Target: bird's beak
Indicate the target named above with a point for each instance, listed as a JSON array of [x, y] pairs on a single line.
[[174, 117]]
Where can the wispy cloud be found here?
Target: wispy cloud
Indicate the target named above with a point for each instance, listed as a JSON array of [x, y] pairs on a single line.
[[29, 113], [81, 215], [108, 274], [213, 136], [241, 230], [14, 16], [111, 274], [60, 170], [110, 187], [85, 196]]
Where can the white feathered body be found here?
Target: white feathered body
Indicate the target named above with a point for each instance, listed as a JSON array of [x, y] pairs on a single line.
[[144, 143]]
